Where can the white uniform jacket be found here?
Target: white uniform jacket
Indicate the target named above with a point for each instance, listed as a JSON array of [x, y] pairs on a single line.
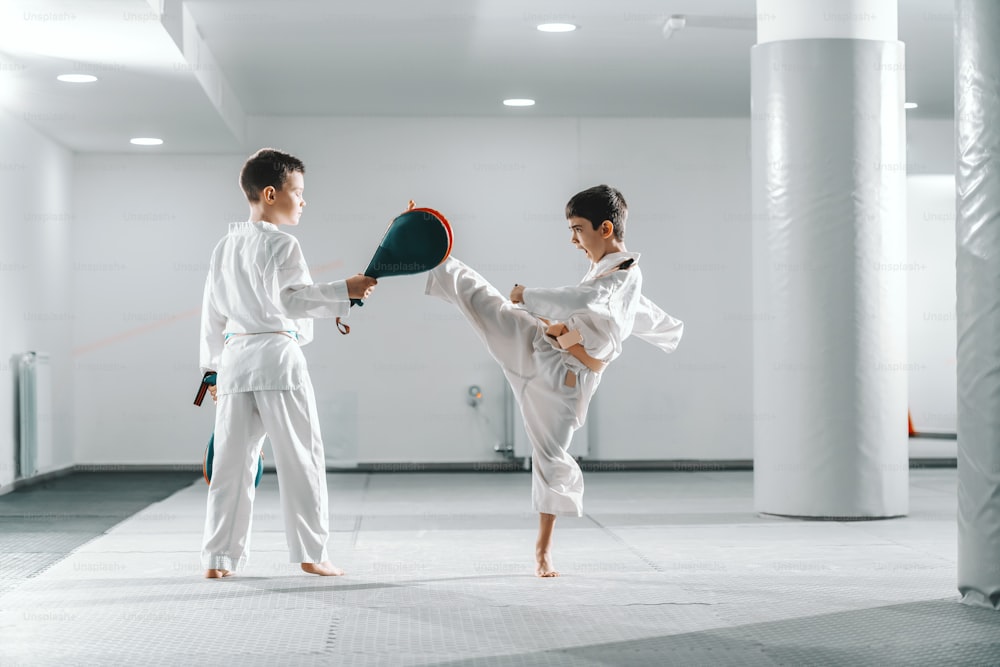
[[258, 284], [607, 307]]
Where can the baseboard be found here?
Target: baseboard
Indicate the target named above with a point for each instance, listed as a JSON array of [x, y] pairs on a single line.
[[933, 462], [669, 465], [137, 467], [517, 465], [21, 483]]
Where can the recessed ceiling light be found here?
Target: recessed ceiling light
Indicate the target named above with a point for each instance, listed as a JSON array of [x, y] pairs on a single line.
[[910, 105], [77, 78], [557, 27], [146, 141], [519, 102]]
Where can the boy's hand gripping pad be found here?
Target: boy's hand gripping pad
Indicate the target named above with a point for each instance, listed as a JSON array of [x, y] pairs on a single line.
[[415, 241]]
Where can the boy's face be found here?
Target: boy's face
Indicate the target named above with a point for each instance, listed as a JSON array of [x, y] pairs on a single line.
[[588, 239], [285, 205]]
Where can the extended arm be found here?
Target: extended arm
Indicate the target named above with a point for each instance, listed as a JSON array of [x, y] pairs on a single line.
[[297, 295], [559, 303]]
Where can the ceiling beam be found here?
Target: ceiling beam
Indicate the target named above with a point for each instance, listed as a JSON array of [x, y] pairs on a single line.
[[177, 20]]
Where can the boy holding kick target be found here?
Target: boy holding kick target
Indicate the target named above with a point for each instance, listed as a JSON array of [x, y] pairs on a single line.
[[554, 343], [257, 311]]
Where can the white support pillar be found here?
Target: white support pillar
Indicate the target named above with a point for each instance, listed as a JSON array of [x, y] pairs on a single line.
[[829, 260], [977, 226]]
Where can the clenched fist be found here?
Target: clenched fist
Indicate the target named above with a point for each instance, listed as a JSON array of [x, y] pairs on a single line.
[[360, 286]]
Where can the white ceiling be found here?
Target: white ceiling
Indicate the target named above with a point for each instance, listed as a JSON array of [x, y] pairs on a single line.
[[389, 58]]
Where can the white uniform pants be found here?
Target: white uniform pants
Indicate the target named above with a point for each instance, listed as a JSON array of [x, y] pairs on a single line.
[[290, 420], [536, 372]]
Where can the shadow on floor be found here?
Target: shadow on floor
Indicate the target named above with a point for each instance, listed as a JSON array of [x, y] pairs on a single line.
[[43, 523], [932, 633]]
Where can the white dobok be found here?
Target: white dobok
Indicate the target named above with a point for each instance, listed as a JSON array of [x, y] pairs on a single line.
[[257, 312], [552, 385]]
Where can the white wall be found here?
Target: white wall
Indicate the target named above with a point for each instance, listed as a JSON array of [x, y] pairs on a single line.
[[394, 390], [933, 338], [688, 187], [931, 298], [930, 147], [148, 225], [36, 269]]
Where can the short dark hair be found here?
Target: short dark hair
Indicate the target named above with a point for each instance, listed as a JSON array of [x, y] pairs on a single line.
[[597, 204], [267, 167]]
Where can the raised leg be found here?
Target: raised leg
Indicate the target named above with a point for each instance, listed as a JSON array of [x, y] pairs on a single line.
[[508, 331]]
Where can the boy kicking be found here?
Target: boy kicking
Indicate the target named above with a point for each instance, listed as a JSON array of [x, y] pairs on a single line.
[[554, 343]]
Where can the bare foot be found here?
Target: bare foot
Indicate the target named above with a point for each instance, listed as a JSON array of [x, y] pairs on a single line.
[[324, 569], [217, 574], [543, 565], [543, 561]]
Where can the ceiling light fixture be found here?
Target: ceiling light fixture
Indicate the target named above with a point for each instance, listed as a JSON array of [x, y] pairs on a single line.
[[519, 102], [674, 23], [557, 27], [146, 141], [77, 78], [910, 105]]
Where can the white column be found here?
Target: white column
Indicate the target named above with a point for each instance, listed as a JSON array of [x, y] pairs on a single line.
[[977, 226], [779, 20], [829, 260]]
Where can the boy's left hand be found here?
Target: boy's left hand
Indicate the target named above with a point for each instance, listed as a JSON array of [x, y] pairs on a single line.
[[360, 286], [517, 294]]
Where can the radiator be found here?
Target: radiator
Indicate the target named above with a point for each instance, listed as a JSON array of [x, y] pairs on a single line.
[[33, 395]]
